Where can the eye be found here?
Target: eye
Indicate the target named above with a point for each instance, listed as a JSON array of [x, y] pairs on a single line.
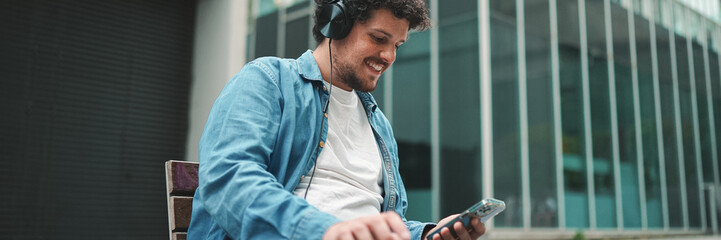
[[378, 39]]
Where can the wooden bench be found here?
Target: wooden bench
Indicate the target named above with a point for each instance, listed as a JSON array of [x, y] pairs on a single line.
[[181, 179]]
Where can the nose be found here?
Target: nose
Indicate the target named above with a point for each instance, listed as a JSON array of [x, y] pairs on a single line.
[[389, 55]]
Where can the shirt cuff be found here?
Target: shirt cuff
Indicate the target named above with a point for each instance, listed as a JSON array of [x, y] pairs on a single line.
[[314, 225]]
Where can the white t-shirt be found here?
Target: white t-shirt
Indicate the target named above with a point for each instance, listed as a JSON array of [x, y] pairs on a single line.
[[348, 181]]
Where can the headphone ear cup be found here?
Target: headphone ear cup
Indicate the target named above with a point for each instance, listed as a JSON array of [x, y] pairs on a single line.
[[333, 20]]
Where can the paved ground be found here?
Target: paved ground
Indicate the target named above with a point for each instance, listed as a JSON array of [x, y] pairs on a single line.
[[716, 237]]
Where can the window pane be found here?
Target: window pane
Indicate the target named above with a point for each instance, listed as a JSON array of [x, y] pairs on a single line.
[[266, 35], [698, 70], [412, 122], [504, 74], [626, 119], [703, 113], [648, 124], [297, 36], [689, 154], [714, 67], [544, 209], [461, 178], [600, 115], [668, 121], [574, 163], [448, 10]]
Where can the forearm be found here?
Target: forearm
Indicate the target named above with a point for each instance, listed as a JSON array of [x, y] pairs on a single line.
[[247, 202]]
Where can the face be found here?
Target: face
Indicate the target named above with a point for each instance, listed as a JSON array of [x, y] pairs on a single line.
[[360, 58]]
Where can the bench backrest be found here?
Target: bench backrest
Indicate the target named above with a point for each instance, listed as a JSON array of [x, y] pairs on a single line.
[[181, 179]]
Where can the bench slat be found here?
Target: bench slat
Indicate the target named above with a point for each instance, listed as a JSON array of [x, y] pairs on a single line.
[[182, 208], [183, 177], [180, 236]]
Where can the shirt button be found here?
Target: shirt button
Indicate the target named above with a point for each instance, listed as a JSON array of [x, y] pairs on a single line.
[[321, 144]]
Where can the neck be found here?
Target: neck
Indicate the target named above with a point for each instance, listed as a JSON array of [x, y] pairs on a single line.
[[322, 58]]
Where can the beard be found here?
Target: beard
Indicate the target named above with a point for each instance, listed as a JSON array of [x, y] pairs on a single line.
[[348, 76]]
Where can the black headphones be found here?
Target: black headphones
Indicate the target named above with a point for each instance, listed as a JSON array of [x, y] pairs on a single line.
[[333, 20]]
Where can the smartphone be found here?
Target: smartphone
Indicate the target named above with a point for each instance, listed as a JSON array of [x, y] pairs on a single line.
[[485, 209]]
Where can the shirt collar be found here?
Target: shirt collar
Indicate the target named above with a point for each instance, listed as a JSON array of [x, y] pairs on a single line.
[[308, 67], [368, 101]]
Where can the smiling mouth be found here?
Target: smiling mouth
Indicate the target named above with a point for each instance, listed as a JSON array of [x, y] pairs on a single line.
[[376, 66]]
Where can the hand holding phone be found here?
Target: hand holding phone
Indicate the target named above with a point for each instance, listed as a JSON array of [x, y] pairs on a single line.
[[484, 210]]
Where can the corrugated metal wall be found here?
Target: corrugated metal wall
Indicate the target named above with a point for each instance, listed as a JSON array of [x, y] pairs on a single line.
[[93, 100]]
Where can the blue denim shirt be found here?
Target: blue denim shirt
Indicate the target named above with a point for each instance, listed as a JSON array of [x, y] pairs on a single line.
[[262, 136]]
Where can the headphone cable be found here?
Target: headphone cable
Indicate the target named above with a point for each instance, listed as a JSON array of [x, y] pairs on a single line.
[[325, 111]]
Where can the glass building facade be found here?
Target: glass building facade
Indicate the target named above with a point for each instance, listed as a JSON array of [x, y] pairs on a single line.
[[598, 115]]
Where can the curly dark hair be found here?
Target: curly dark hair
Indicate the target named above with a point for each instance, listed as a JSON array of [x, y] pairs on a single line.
[[414, 11]]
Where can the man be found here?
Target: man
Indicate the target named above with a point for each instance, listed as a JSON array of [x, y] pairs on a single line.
[[275, 165]]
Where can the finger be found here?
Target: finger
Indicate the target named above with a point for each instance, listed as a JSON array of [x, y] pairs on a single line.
[[345, 236], [446, 234], [379, 227], [447, 219], [478, 229], [362, 232], [461, 231], [437, 237], [395, 222]]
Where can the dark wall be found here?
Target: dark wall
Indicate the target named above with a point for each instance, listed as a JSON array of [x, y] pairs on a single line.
[[93, 100]]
